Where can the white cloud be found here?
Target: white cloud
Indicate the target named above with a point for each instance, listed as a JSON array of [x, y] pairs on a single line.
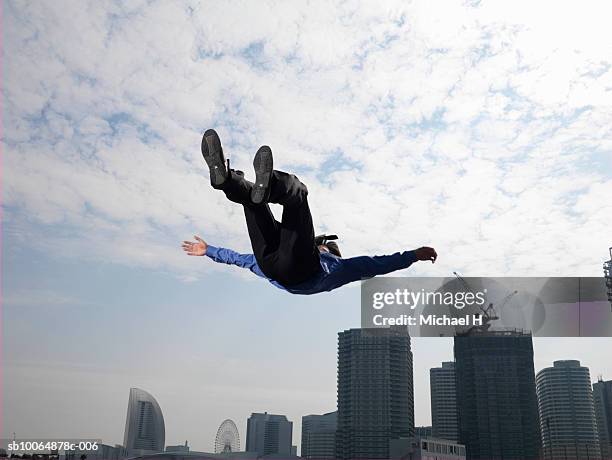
[[473, 129]]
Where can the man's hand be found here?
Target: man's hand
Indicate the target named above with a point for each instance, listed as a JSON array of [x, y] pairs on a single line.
[[197, 248], [426, 253]]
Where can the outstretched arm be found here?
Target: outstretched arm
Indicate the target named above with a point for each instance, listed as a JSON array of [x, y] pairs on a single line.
[[199, 247], [357, 268]]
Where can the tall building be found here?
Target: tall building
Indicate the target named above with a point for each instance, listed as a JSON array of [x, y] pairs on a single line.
[[567, 414], [496, 396], [602, 398], [319, 435], [269, 434], [375, 392], [145, 431], [445, 424]]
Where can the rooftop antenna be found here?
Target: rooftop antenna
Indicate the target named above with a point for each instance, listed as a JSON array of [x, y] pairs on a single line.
[[607, 267]]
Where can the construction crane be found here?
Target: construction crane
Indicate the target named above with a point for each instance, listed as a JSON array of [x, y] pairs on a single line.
[[607, 267], [488, 313]]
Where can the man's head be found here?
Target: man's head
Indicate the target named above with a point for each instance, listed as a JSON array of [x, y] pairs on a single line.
[[325, 244], [330, 247]]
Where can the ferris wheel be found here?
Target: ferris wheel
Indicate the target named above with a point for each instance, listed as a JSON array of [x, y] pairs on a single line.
[[227, 439]]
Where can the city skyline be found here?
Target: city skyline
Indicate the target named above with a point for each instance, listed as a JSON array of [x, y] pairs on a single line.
[[498, 413], [204, 442]]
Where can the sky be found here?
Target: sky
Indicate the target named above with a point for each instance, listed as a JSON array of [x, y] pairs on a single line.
[[479, 128]]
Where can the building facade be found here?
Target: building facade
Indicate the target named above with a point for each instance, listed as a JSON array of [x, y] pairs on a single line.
[[178, 448], [496, 396], [423, 431], [602, 399], [319, 435], [145, 431], [269, 434], [418, 448], [444, 421], [567, 413], [375, 391]]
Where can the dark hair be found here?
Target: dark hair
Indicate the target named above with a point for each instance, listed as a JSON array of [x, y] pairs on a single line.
[[333, 248]]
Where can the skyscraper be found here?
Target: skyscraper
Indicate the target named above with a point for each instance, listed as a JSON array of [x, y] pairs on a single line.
[[144, 425], [444, 402], [496, 397], [319, 435], [602, 399], [375, 392], [567, 414], [269, 434]]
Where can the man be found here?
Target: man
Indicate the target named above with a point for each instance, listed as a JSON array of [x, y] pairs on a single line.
[[287, 252]]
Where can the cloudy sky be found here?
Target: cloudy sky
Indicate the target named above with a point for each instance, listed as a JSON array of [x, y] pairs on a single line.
[[480, 128]]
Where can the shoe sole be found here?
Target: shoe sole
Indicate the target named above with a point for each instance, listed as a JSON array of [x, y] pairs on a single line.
[[212, 151], [263, 166]]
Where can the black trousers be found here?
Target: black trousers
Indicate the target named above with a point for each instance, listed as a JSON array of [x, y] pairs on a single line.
[[285, 251]]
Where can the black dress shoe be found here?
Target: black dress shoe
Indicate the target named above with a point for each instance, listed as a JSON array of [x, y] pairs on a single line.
[[213, 155], [263, 166]]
